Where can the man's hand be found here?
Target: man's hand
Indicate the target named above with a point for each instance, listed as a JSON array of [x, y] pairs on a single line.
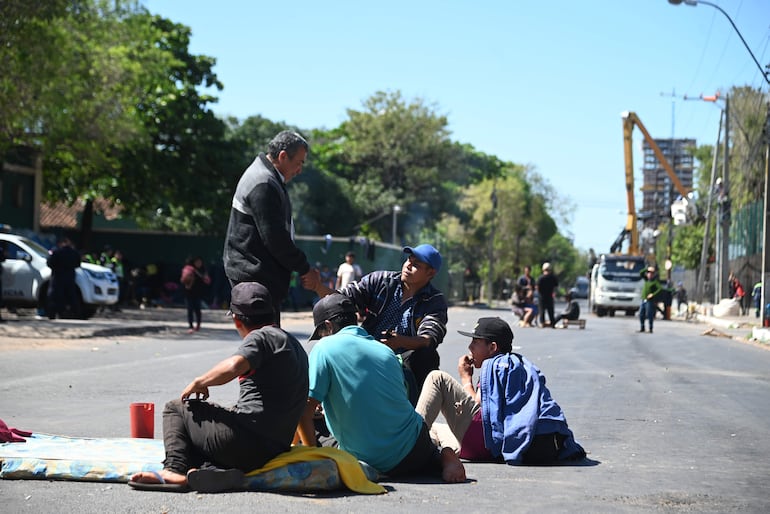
[[397, 341], [465, 367], [201, 392], [311, 279]]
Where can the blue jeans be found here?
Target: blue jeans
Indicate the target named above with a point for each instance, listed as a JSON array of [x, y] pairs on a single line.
[[646, 310]]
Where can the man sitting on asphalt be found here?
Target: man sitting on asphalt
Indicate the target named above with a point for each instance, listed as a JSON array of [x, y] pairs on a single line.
[[508, 416], [272, 370], [403, 310], [570, 312], [360, 385]]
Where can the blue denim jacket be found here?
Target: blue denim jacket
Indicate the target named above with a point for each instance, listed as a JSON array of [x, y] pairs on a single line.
[[372, 293]]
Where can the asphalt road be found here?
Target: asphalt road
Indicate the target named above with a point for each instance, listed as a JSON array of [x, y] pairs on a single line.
[[673, 421]]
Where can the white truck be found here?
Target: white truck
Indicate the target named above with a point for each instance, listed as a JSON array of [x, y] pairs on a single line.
[[616, 284]]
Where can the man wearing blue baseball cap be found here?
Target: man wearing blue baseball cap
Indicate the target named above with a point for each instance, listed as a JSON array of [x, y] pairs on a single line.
[[403, 310]]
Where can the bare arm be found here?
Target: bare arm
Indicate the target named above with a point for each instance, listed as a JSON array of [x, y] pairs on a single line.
[[465, 370], [221, 373], [396, 341], [306, 427]]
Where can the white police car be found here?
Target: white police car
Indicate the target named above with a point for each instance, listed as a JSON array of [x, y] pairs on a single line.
[[26, 277]]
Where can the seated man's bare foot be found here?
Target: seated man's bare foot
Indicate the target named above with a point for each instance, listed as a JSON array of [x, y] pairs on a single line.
[[453, 470], [168, 476]]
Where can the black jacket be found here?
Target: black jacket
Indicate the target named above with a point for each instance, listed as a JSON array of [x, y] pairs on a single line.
[[259, 246]]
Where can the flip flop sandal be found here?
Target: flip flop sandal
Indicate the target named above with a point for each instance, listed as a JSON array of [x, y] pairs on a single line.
[[211, 480], [161, 485]]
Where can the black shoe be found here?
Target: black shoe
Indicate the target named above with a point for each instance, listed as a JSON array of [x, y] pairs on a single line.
[[640, 330], [650, 331]]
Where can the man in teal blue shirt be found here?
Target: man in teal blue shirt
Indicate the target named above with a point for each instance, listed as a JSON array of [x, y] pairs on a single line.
[[360, 384]]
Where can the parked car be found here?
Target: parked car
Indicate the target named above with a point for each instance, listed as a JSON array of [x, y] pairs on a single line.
[[580, 289], [26, 277]]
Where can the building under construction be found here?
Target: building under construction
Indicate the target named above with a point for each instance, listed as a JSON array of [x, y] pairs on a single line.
[[658, 193]]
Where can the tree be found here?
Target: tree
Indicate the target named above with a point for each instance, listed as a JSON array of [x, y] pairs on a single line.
[[506, 211], [394, 152], [108, 94], [178, 176], [748, 112]]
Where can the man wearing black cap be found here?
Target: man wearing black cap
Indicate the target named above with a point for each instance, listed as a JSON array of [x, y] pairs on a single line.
[[508, 415], [361, 386], [272, 371], [403, 310]]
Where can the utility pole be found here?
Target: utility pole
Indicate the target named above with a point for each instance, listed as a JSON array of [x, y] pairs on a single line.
[[766, 239], [699, 292], [723, 252]]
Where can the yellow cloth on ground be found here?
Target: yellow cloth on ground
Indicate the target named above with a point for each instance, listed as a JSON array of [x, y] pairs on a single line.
[[350, 470]]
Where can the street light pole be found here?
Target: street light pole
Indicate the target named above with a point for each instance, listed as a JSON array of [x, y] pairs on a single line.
[[396, 210], [724, 210], [693, 3], [722, 246]]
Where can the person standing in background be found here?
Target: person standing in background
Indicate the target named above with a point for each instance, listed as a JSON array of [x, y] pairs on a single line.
[[194, 279], [650, 291], [348, 271], [738, 292], [756, 294], [62, 291], [546, 286]]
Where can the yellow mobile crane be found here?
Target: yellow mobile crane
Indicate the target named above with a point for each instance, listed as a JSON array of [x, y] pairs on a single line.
[[631, 231], [616, 280]]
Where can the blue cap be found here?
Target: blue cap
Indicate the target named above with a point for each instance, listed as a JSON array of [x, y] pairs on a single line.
[[426, 254]]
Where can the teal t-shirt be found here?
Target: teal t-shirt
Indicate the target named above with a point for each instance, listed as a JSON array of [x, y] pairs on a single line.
[[360, 383]]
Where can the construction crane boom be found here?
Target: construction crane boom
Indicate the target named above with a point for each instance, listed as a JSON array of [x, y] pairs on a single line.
[[631, 231]]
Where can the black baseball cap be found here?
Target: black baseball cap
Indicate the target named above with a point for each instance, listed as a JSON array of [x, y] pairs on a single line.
[[251, 299], [330, 307], [492, 329]]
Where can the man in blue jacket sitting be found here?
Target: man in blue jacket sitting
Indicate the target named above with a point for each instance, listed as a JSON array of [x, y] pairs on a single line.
[[507, 415]]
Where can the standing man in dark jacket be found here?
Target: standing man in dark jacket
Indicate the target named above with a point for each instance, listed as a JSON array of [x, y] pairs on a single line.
[[403, 310], [62, 291], [546, 286], [259, 246]]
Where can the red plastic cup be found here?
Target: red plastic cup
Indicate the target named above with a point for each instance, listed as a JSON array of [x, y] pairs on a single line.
[[143, 420]]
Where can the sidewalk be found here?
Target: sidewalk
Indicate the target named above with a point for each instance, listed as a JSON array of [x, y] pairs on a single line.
[[738, 327], [24, 325]]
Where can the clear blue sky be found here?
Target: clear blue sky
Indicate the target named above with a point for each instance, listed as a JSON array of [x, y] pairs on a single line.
[[532, 82]]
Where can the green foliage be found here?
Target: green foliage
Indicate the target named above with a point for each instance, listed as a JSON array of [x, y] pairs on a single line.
[[687, 244], [393, 152], [748, 110], [176, 177], [507, 212]]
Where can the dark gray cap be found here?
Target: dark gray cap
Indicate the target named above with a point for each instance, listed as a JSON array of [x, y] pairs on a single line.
[[251, 299], [330, 307]]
